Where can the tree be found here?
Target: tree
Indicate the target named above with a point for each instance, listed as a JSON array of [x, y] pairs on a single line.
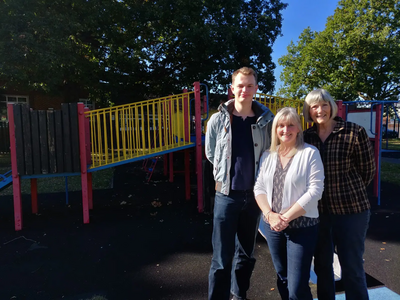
[[356, 55], [126, 48]]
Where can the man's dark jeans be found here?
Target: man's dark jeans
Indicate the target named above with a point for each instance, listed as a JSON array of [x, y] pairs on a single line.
[[236, 219]]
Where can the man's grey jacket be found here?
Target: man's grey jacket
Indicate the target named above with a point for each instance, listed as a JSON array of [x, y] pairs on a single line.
[[218, 147]]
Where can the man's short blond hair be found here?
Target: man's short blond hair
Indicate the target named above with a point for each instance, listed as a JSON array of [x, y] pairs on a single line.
[[244, 71]]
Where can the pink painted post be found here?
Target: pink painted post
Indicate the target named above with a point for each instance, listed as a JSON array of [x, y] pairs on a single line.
[[378, 114], [165, 140], [90, 190], [83, 153], [341, 109], [88, 158], [186, 119], [199, 152], [171, 166], [165, 159], [34, 196], [87, 136], [187, 174], [14, 170]]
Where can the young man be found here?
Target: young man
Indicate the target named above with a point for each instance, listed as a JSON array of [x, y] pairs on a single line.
[[236, 138]]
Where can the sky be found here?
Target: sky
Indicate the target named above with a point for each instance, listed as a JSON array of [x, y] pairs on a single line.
[[298, 15]]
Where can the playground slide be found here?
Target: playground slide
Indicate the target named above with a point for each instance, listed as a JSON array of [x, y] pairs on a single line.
[[5, 180]]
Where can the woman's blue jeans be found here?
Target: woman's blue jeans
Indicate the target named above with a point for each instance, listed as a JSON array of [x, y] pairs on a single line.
[[347, 233], [292, 251], [236, 219]]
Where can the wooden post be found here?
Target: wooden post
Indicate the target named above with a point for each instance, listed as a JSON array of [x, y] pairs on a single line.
[[83, 163], [199, 152], [14, 170]]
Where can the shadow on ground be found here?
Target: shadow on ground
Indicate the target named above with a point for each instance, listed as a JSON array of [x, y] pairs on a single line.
[[144, 241]]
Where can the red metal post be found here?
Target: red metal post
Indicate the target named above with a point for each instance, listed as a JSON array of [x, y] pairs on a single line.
[[199, 156], [205, 108], [83, 153], [90, 190], [165, 159], [88, 142], [187, 174], [186, 118], [341, 109], [171, 166], [165, 138], [172, 137], [377, 146], [88, 158], [14, 170], [34, 196], [187, 139]]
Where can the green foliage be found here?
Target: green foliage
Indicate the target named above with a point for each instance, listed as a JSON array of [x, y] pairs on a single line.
[[356, 55], [119, 49]]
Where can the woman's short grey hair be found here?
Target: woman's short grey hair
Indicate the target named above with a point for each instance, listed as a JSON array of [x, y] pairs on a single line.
[[316, 96], [290, 115]]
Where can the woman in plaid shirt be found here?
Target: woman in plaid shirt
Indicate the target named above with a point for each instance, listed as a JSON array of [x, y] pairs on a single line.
[[344, 209]]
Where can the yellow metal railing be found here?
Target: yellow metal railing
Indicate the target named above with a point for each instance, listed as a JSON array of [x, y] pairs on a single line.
[[139, 129], [275, 103]]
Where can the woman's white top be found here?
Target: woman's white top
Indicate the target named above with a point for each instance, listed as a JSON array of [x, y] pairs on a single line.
[[304, 182]]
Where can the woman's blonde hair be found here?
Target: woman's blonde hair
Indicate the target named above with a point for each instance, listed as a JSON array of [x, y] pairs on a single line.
[[316, 96], [288, 114]]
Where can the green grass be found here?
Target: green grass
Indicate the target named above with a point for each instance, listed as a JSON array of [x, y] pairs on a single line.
[[101, 180], [5, 161], [390, 173], [393, 144]]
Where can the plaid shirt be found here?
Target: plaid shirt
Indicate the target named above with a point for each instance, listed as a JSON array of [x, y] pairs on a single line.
[[349, 166]]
